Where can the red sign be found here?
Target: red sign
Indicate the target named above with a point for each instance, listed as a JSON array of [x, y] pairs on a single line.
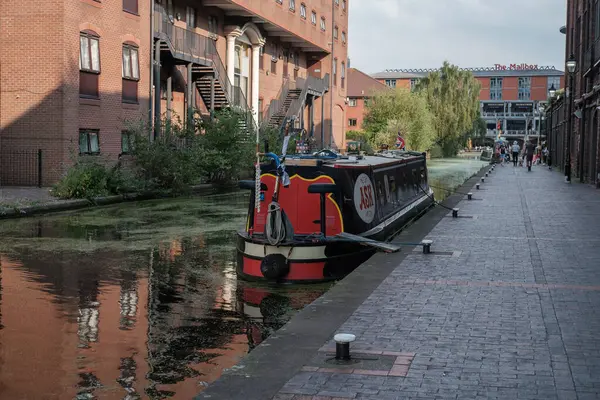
[[516, 67], [366, 197]]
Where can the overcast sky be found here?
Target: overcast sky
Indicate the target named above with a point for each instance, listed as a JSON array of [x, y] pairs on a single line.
[[469, 33]]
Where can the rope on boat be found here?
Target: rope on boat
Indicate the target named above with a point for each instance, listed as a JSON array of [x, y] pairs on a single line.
[[274, 228]]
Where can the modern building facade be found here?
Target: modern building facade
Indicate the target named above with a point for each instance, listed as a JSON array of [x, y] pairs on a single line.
[[510, 94], [112, 64], [361, 87], [574, 133]]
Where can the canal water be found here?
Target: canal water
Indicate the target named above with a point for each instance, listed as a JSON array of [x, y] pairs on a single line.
[[138, 300]]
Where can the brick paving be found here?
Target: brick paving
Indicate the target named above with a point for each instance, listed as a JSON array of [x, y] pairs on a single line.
[[510, 309]]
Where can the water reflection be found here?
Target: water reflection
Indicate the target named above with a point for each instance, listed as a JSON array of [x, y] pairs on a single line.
[[130, 302], [136, 300], [445, 175]]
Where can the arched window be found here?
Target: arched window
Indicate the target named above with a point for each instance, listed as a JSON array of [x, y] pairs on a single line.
[[323, 23], [343, 76], [131, 73], [89, 63], [335, 32]]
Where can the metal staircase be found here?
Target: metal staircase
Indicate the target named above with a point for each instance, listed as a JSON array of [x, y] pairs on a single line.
[[292, 98], [277, 119], [182, 47]]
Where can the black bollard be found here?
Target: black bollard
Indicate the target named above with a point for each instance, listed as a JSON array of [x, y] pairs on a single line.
[[342, 345], [455, 213], [426, 246], [477, 186], [470, 196]]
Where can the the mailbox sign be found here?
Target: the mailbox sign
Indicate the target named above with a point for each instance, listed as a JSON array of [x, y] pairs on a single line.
[[516, 67]]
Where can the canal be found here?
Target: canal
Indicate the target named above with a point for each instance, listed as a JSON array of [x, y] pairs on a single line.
[[139, 300]]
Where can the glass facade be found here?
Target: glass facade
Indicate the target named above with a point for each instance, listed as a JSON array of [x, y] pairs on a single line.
[[553, 81], [495, 88], [525, 88]]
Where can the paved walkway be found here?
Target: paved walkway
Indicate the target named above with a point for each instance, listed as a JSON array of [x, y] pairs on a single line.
[[510, 308], [15, 196]]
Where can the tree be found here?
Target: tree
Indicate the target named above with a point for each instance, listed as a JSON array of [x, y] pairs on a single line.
[[453, 98], [400, 110]]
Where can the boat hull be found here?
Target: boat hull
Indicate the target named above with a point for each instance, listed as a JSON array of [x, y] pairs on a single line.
[[318, 261]]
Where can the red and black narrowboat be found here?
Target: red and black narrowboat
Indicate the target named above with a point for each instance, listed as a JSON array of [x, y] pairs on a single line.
[[317, 218]]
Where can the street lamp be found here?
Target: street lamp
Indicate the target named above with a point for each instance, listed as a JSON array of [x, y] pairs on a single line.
[[552, 91], [571, 67], [540, 113]]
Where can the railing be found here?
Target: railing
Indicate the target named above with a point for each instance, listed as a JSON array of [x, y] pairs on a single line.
[[277, 102], [186, 42], [21, 167], [311, 83]]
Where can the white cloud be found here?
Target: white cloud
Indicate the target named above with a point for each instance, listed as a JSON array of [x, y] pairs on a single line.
[[471, 33]]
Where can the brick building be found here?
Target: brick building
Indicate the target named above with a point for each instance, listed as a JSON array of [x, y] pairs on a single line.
[[102, 65], [509, 96], [360, 88], [583, 46]]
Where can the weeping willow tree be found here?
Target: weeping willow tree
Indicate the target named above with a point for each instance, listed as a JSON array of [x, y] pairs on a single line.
[[400, 110], [453, 98]]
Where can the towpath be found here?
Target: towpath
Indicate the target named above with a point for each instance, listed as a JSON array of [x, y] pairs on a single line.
[[506, 307]]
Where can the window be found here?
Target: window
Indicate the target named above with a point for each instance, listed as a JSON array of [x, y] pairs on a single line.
[[343, 74], [390, 83], [303, 11], [413, 83], [131, 6], [88, 141], [126, 142], [190, 17], [313, 17], [213, 24], [89, 64], [292, 5], [323, 23], [524, 88], [131, 74], [335, 32], [344, 5], [261, 58], [335, 71], [343, 37], [273, 65], [352, 122], [352, 102], [495, 88], [553, 81], [337, 2]]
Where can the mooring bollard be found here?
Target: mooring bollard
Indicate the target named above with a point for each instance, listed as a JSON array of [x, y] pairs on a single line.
[[482, 179], [477, 186], [342, 345], [455, 213], [426, 246], [470, 196], [486, 174]]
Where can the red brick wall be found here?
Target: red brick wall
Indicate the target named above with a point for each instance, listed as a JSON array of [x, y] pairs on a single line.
[[40, 105], [357, 113], [510, 88], [484, 93], [31, 80], [539, 88]]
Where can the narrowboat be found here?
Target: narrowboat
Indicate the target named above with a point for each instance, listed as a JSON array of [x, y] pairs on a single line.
[[316, 218]]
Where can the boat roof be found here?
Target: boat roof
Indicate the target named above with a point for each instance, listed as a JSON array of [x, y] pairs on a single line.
[[378, 160]]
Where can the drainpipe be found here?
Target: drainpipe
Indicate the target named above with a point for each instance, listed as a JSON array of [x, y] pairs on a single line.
[[151, 98], [331, 80]]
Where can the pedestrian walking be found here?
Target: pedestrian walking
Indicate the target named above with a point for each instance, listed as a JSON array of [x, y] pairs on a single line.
[[515, 153], [502, 154], [529, 150]]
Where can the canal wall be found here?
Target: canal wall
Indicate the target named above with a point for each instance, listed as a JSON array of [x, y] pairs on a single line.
[[262, 373], [66, 205]]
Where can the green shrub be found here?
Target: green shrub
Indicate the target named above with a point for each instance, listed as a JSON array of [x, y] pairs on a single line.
[[83, 180]]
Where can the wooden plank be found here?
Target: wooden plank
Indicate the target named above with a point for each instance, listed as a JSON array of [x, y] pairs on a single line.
[[387, 247]]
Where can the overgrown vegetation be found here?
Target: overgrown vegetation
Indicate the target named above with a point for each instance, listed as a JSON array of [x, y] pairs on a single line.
[[453, 98], [440, 115], [210, 151], [403, 112]]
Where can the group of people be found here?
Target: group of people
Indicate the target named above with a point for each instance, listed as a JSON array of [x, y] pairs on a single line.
[[531, 153]]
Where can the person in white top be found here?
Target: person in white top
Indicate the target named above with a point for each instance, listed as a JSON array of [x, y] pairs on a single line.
[[515, 153]]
